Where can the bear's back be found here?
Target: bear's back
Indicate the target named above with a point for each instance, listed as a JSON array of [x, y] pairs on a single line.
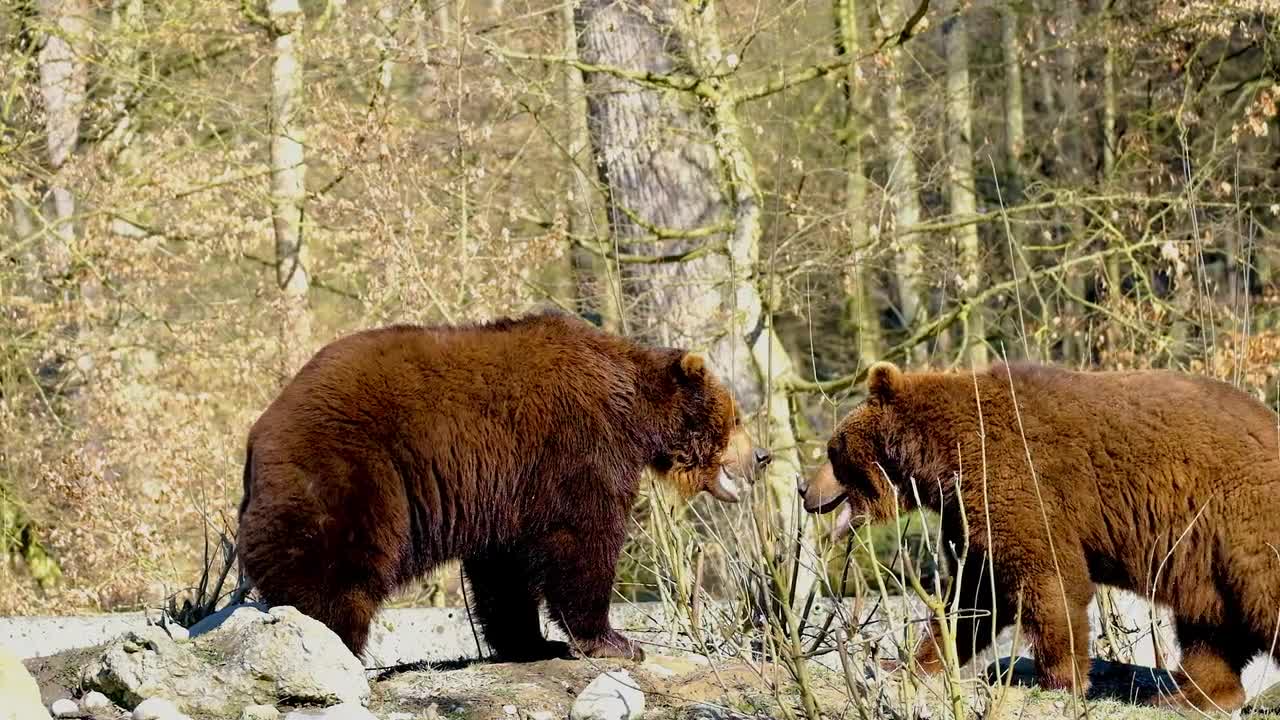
[[1147, 433], [384, 386]]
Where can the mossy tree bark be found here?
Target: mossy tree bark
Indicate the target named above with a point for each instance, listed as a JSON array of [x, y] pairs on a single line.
[[861, 314], [594, 277], [684, 207], [960, 182]]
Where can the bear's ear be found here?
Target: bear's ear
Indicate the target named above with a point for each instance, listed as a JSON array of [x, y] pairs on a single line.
[[690, 367], [884, 380]]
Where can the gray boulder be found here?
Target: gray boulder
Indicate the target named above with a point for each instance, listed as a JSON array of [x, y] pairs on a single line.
[[249, 657]]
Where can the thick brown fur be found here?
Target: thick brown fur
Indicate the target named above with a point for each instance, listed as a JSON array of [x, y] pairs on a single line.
[[515, 446], [1164, 484]]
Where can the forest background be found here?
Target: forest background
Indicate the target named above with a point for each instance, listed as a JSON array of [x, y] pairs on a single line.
[[197, 195]]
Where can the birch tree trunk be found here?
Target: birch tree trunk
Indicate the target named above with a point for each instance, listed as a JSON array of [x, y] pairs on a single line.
[[288, 179], [860, 309], [902, 186], [960, 186], [665, 165], [63, 78]]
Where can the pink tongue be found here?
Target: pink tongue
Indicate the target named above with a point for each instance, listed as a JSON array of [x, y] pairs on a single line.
[[843, 522]]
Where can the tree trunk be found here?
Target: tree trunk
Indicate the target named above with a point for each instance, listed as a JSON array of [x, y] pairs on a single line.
[[1069, 92], [23, 202], [288, 179], [1015, 131], [387, 20], [595, 283], [1048, 99], [861, 314], [126, 22], [960, 186], [63, 79], [903, 184], [442, 13], [1115, 266], [1071, 160], [664, 166]]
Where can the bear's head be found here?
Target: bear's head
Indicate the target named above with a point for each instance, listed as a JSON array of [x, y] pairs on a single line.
[[858, 475], [706, 446]]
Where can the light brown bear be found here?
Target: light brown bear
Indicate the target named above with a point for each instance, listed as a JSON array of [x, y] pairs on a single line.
[[515, 446], [1164, 484]]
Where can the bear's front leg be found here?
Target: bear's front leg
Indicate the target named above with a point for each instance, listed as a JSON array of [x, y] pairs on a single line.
[[580, 568], [983, 611], [1057, 619]]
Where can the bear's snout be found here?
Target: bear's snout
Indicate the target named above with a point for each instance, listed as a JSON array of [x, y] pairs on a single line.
[[823, 492], [763, 457]]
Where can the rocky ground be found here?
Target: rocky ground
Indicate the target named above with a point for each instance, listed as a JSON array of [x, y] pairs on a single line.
[[281, 664]]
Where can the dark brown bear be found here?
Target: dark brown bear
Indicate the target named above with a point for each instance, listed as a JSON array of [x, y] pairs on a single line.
[[515, 446], [1164, 484]]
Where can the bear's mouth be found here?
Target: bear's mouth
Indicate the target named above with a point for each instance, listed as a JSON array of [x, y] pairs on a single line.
[[828, 506], [844, 522], [726, 487], [822, 494]]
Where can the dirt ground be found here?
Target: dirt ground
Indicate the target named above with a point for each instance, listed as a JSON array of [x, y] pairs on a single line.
[[675, 688]]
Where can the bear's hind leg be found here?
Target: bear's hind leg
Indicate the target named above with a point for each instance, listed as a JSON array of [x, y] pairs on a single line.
[[292, 562], [349, 615], [579, 584], [505, 596], [1213, 657]]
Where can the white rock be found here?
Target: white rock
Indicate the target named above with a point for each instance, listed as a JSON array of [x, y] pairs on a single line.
[[229, 617], [400, 716], [178, 633], [344, 711], [542, 715], [94, 701], [259, 712], [611, 696], [508, 709], [156, 709], [65, 708], [19, 690]]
